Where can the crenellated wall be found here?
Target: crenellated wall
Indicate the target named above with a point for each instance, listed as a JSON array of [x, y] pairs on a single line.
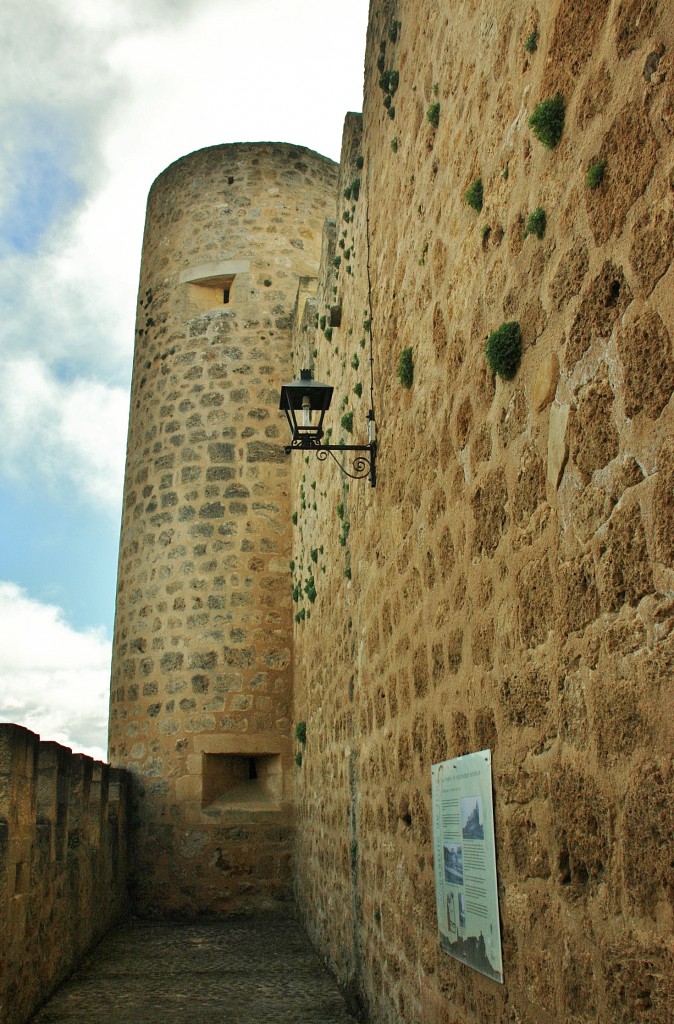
[[509, 583], [64, 826]]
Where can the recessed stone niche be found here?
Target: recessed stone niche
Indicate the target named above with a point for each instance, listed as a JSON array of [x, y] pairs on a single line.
[[230, 774], [242, 780]]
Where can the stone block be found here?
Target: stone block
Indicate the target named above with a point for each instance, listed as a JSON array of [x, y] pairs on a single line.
[[188, 789], [546, 382], [558, 444], [645, 349]]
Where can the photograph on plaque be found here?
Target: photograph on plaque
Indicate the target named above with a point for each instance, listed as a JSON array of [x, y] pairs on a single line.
[[466, 893], [453, 864]]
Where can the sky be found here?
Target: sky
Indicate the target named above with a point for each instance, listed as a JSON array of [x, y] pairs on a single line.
[[97, 97]]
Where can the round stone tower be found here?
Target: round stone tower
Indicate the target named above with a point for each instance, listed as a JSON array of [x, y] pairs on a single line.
[[201, 691]]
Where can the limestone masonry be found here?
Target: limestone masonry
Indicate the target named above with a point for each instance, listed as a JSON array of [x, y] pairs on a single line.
[[509, 582], [201, 701]]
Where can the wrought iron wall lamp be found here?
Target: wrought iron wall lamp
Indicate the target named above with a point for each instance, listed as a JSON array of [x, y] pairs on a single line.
[[305, 403]]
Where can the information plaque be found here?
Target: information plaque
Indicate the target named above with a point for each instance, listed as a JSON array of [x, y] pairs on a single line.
[[466, 892]]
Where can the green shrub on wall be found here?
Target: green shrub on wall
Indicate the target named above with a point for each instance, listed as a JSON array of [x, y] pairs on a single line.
[[504, 350], [536, 223], [352, 191], [475, 195], [595, 174], [310, 589], [433, 114], [547, 121], [406, 368], [347, 422]]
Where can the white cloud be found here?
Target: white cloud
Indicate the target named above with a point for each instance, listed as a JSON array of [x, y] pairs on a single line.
[[57, 97], [114, 91], [56, 90], [101, 95], [53, 679], [69, 433], [239, 71]]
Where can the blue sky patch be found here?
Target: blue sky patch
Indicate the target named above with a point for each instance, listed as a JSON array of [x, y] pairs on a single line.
[[61, 556], [44, 193]]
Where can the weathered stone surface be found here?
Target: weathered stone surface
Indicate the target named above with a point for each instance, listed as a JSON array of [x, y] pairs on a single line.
[[260, 451], [646, 352], [493, 582], [663, 505], [651, 251], [594, 434], [604, 301], [214, 498], [630, 149], [489, 504], [623, 565], [546, 382], [649, 826], [568, 280], [535, 599], [529, 490], [558, 444]]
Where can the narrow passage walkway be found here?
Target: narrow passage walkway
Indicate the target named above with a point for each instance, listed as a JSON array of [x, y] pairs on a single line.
[[242, 971]]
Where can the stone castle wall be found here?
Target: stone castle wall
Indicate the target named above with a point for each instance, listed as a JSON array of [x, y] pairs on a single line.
[[201, 700], [63, 864], [508, 583]]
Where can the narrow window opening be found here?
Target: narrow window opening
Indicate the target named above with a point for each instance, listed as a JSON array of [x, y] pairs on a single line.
[[212, 285], [252, 770]]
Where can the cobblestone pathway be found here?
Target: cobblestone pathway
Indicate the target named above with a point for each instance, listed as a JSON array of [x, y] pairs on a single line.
[[243, 971]]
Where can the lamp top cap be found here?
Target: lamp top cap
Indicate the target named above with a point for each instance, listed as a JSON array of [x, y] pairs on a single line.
[[292, 394]]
